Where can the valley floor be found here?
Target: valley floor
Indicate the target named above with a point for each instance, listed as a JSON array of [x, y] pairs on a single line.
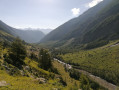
[[97, 79], [101, 62]]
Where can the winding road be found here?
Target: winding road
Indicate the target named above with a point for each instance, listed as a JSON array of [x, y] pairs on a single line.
[[97, 79]]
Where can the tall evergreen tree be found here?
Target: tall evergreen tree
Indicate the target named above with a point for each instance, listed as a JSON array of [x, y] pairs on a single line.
[[45, 59], [17, 53], [1, 47]]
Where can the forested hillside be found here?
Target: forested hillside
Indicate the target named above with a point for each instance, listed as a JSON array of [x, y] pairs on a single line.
[[102, 62]]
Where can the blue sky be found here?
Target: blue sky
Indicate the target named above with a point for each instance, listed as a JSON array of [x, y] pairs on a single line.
[[42, 13]]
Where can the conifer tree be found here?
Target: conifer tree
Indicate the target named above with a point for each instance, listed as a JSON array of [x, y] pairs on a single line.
[[1, 47], [17, 53], [45, 59]]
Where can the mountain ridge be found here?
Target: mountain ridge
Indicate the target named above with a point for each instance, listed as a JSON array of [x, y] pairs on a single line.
[[79, 28], [9, 33]]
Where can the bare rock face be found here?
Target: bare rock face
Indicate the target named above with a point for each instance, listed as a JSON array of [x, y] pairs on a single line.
[[27, 68], [41, 80], [3, 83]]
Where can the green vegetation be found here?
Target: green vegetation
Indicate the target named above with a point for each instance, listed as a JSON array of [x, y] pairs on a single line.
[[36, 71], [86, 83], [17, 53], [6, 30], [95, 44], [45, 59], [30, 76], [27, 83], [22, 70], [103, 62], [5, 37], [73, 80], [33, 56], [68, 82], [27, 66], [0, 50]]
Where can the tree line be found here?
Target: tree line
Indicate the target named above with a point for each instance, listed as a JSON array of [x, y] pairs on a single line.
[[17, 53]]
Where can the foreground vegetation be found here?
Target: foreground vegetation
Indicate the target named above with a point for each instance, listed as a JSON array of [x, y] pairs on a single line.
[[74, 80], [71, 83], [21, 69], [26, 83], [23, 66], [30, 76]]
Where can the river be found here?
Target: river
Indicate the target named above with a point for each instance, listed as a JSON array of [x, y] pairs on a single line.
[[97, 79]]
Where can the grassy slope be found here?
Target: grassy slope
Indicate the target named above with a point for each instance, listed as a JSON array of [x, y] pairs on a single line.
[[5, 36], [102, 61], [26, 83], [71, 83], [29, 81]]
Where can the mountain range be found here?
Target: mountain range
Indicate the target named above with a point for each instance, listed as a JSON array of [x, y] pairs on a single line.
[[30, 36], [8, 33], [45, 31], [96, 26], [82, 53]]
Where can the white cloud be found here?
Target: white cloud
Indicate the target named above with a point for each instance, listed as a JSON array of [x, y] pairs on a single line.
[[75, 11], [94, 2]]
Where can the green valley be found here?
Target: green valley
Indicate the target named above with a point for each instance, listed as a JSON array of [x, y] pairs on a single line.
[[102, 62], [80, 54]]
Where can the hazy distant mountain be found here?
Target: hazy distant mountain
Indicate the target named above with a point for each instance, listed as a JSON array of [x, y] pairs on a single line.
[[30, 36], [45, 31], [96, 24], [8, 33]]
